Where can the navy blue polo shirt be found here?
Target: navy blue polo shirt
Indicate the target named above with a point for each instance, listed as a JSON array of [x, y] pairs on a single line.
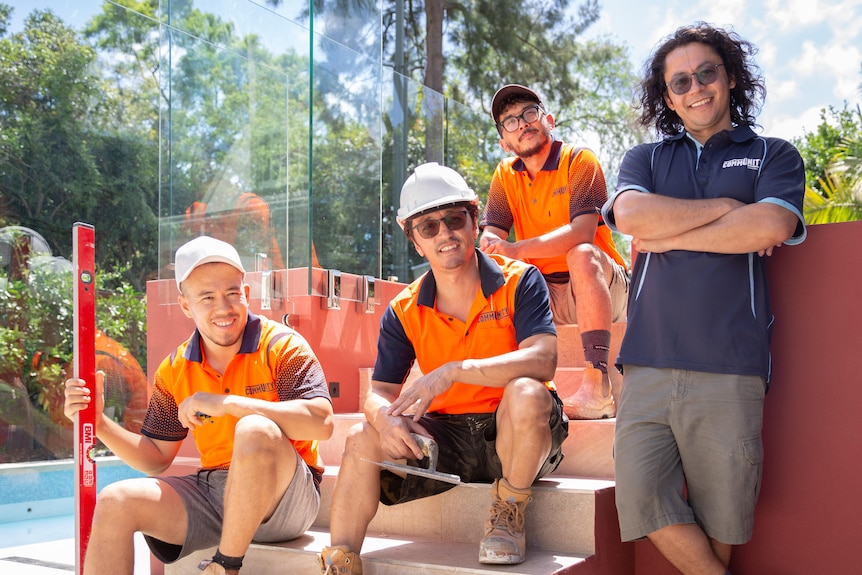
[[706, 311]]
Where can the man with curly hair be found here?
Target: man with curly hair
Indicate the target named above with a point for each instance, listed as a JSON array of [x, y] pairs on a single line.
[[705, 206]]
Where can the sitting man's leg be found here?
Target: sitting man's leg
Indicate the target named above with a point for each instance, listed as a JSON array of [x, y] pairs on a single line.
[[264, 458], [148, 505], [527, 450], [354, 501], [591, 273]]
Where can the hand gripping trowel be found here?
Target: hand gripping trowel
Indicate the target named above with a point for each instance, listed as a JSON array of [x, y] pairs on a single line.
[[430, 450]]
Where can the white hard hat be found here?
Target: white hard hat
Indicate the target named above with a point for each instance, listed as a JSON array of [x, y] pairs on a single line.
[[432, 186]]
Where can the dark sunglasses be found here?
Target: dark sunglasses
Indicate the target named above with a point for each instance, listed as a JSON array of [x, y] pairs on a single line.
[[430, 228], [681, 83]]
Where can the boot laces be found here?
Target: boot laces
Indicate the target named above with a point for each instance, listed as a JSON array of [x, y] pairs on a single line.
[[507, 516]]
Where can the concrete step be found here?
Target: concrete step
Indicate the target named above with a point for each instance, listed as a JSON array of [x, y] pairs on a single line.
[[383, 554], [458, 515]]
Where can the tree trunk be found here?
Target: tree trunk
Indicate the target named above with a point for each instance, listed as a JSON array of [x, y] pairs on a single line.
[[434, 13]]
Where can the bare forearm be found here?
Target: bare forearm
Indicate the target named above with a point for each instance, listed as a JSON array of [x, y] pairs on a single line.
[[553, 243], [652, 216], [751, 228], [137, 451], [499, 370], [375, 406], [300, 419]]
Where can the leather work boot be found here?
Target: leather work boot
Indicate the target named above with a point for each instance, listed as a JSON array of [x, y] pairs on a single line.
[[339, 561], [505, 542], [594, 398]]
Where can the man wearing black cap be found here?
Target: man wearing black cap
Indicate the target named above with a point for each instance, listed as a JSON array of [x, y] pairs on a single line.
[[552, 193]]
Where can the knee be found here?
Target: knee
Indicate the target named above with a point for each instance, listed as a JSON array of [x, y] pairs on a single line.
[[115, 504], [256, 436], [583, 259], [361, 439], [527, 399], [112, 495]]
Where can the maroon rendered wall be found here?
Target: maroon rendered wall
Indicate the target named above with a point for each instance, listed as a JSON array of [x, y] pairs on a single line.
[[809, 516]]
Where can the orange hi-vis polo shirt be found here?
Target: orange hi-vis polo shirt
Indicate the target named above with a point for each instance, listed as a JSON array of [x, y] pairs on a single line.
[[274, 363], [511, 306], [570, 184]]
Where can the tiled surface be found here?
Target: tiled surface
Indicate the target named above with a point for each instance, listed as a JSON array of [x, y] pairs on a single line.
[[56, 557], [384, 555], [37, 523]]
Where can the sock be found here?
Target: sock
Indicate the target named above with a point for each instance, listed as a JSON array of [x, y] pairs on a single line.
[[229, 563], [597, 346]]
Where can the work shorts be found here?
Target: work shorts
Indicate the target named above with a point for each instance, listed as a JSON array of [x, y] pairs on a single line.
[[203, 497], [467, 448], [687, 449], [565, 309]]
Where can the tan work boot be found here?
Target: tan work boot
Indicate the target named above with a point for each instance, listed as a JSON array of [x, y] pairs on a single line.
[[505, 541], [339, 560], [594, 398]]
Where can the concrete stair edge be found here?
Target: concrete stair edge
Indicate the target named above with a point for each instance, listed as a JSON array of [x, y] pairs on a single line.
[[458, 515], [383, 554]]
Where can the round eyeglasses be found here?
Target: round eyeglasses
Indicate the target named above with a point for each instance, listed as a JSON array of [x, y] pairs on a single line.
[[530, 115], [430, 228], [706, 75]]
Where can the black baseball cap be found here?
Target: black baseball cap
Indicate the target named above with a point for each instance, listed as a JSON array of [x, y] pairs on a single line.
[[509, 90]]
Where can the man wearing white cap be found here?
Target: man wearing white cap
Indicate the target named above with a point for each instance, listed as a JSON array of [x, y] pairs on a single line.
[[551, 193], [256, 401]]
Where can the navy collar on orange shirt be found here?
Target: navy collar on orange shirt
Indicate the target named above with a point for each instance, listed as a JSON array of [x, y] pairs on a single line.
[[552, 162], [490, 275], [250, 340]]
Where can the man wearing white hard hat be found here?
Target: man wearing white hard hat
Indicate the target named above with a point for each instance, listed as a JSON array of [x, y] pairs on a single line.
[[256, 401], [481, 330], [551, 193]]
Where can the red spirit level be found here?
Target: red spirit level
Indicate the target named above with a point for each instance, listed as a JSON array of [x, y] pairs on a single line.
[[84, 256]]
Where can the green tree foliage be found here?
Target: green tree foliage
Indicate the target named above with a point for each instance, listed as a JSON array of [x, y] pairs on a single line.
[[587, 84], [833, 167], [67, 155], [36, 350]]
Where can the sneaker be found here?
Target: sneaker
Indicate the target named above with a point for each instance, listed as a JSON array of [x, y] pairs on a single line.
[[339, 560], [594, 398], [505, 541]]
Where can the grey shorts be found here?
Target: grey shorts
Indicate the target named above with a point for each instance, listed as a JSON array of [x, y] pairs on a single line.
[[565, 309], [203, 498], [687, 449], [467, 448]]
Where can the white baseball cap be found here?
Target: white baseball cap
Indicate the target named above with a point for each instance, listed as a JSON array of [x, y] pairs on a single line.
[[204, 250]]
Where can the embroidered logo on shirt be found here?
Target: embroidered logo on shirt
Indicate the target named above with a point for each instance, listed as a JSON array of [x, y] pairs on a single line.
[[259, 388], [750, 163], [494, 315]]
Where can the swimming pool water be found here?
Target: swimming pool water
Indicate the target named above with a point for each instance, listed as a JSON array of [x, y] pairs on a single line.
[[37, 499]]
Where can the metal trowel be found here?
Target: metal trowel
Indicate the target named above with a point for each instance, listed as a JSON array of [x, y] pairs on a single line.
[[430, 450]]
